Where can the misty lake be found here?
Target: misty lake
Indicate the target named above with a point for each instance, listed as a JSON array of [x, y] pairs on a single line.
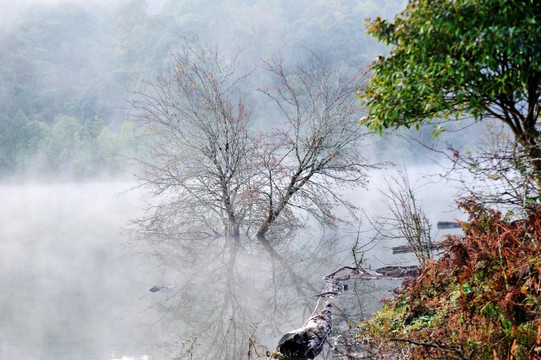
[[74, 285]]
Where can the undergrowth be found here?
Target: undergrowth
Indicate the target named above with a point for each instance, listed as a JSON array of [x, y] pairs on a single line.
[[480, 300]]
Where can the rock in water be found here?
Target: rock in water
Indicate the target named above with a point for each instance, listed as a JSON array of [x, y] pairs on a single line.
[[157, 288], [307, 342]]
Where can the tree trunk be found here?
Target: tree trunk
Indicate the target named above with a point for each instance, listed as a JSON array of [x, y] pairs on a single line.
[[534, 156], [529, 140]]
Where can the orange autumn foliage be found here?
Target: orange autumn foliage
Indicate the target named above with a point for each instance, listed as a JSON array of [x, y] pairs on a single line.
[[480, 300]]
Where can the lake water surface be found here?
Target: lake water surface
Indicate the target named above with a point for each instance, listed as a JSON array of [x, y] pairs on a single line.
[[74, 286]]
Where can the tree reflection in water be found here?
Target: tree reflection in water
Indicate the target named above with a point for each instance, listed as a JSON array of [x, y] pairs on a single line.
[[235, 303]]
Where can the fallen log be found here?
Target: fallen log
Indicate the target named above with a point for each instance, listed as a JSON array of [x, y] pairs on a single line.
[[399, 271], [307, 341], [448, 225], [387, 272], [404, 249]]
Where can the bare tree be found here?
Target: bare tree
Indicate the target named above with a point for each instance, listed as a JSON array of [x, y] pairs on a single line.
[[198, 145], [497, 173], [213, 177], [406, 219], [315, 152]]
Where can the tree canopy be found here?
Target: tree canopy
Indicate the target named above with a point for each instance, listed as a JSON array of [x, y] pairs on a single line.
[[464, 58], [82, 59]]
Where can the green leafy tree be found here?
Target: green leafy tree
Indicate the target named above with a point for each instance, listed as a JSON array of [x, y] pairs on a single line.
[[107, 151], [93, 127], [463, 58], [19, 140], [62, 145]]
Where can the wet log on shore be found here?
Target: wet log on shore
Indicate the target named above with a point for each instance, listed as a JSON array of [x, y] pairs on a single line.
[[307, 341]]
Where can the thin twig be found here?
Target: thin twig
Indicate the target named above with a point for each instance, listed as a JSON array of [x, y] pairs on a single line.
[[448, 348]]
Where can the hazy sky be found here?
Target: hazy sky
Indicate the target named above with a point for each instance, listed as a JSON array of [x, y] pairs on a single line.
[[9, 9]]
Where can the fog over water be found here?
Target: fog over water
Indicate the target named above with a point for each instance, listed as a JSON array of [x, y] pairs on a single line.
[[73, 284], [69, 287]]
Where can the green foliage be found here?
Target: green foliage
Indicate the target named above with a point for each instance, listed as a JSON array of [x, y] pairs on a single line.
[[63, 143], [82, 60], [67, 148], [93, 127], [55, 96], [19, 138], [452, 58]]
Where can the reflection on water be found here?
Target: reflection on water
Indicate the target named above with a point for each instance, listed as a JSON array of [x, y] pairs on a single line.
[[71, 288], [231, 303]]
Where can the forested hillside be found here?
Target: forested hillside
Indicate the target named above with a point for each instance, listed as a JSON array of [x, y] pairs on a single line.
[[69, 67]]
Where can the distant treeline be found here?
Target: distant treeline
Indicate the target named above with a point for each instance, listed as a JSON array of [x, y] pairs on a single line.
[[68, 68]]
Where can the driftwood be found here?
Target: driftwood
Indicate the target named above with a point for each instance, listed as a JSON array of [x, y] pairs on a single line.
[[307, 341], [403, 249], [448, 225], [398, 271], [387, 272], [434, 246]]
